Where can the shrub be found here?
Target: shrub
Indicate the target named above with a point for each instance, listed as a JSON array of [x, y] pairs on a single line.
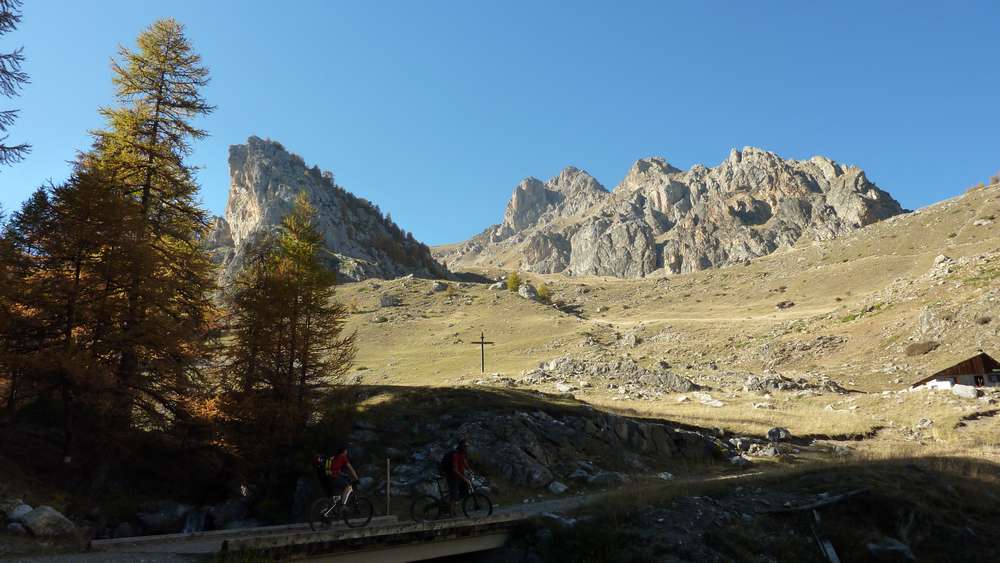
[[983, 320], [921, 348], [544, 293], [513, 281]]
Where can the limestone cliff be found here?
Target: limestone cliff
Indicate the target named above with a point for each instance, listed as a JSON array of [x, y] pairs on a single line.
[[264, 181]]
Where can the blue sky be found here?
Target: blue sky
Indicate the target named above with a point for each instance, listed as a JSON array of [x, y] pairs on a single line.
[[436, 110]]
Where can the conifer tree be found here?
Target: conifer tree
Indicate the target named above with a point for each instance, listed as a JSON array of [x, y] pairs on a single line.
[[64, 258], [12, 79], [169, 274], [288, 345]]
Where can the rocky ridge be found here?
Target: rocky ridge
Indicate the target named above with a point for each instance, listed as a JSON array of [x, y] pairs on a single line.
[[265, 179], [660, 218]]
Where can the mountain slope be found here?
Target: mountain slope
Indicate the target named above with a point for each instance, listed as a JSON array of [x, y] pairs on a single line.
[[264, 181], [662, 218]]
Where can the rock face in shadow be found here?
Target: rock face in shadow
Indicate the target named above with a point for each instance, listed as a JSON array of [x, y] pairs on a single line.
[[265, 179], [660, 218]]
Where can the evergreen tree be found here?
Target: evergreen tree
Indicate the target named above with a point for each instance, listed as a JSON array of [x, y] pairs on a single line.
[[169, 273], [288, 345], [12, 79], [64, 250]]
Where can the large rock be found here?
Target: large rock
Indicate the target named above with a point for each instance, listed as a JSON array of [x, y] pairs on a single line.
[[660, 217], [45, 522], [965, 391], [163, 517], [528, 291], [779, 434], [16, 513], [265, 180]]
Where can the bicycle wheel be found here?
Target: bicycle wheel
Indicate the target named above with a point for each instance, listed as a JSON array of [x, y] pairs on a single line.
[[421, 506], [477, 505], [319, 514], [358, 512]]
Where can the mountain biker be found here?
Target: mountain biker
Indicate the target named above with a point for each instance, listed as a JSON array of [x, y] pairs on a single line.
[[332, 476], [458, 482]]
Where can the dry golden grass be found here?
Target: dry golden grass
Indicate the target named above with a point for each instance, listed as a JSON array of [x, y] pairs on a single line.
[[865, 291]]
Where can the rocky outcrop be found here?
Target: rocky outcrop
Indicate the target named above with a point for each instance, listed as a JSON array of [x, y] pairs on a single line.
[[660, 218], [265, 179]]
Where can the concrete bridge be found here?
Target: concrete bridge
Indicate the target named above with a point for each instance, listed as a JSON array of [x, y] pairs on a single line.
[[385, 540]]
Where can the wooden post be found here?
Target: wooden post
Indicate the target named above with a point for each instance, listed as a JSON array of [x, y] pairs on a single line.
[[388, 487]]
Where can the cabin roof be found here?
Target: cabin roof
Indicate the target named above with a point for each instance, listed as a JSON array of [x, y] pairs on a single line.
[[979, 364]]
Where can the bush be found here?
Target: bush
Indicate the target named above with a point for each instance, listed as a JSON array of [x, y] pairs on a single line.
[[513, 281], [544, 293]]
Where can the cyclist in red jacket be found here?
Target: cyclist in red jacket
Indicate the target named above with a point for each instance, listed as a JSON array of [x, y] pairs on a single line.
[[334, 478], [458, 483]]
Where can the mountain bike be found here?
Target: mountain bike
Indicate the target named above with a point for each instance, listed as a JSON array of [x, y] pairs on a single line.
[[475, 503], [356, 511]]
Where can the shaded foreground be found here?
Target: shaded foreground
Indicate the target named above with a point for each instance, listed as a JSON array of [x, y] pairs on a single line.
[[930, 509]]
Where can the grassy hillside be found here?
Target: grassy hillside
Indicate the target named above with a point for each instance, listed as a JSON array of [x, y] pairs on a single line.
[[852, 308]]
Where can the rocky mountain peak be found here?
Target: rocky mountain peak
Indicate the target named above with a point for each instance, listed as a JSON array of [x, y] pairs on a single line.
[[662, 218], [265, 179], [535, 202]]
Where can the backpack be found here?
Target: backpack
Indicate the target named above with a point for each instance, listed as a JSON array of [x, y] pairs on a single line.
[[445, 465]]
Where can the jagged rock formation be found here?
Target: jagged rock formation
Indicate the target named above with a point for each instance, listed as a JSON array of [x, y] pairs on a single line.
[[264, 182], [662, 218]]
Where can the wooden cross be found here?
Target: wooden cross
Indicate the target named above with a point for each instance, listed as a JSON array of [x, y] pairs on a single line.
[[482, 350]]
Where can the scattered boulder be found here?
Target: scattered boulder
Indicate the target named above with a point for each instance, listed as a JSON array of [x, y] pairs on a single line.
[[528, 291], [779, 434], [665, 475], [498, 286], [389, 300], [439, 286], [785, 304], [890, 549], [378, 319], [8, 504], [47, 522], [163, 517], [763, 450], [921, 348], [740, 461], [16, 529], [15, 514], [557, 488], [964, 391], [564, 387], [774, 382]]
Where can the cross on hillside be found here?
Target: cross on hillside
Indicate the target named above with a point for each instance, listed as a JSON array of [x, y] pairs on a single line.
[[482, 350]]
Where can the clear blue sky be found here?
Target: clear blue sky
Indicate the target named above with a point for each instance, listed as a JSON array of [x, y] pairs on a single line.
[[435, 110]]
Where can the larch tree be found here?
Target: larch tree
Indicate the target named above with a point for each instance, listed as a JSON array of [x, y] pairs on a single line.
[[288, 344], [12, 79], [65, 248], [169, 274]]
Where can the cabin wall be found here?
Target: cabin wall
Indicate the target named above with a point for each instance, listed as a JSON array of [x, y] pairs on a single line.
[[946, 382]]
